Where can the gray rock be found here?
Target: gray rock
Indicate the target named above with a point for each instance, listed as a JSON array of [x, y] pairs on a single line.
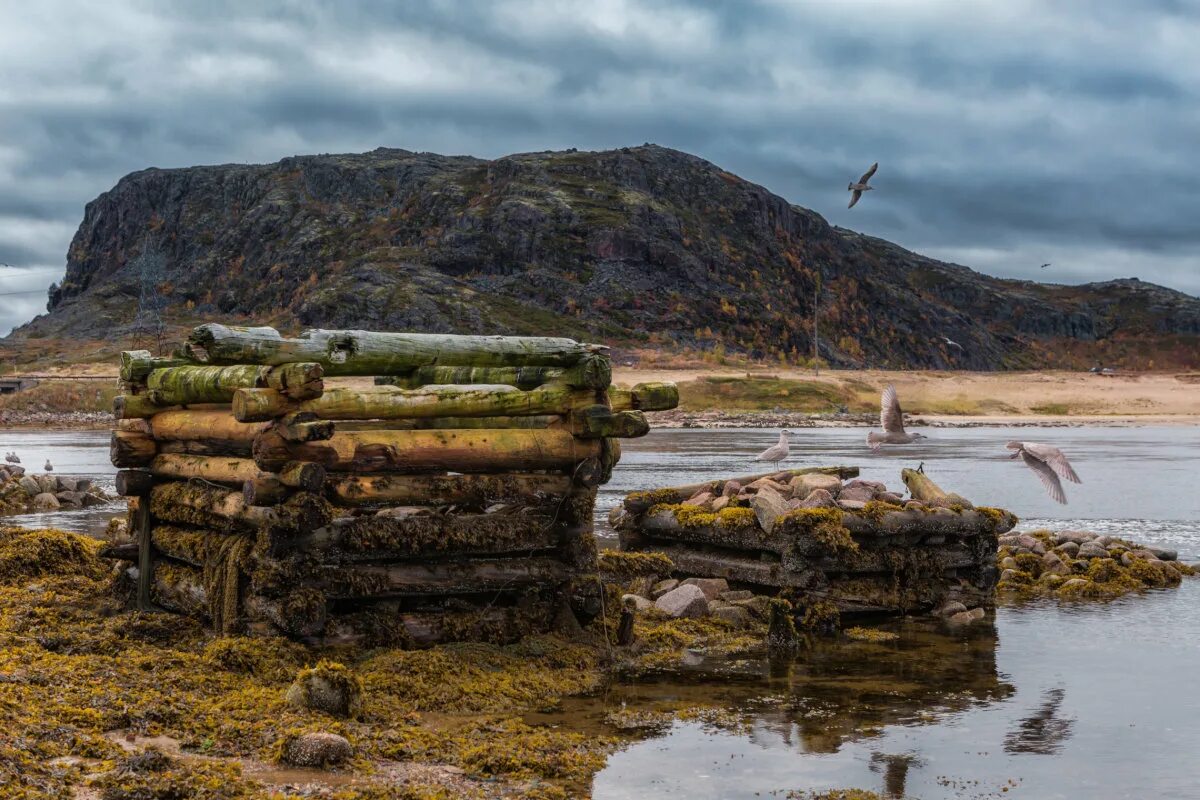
[[317, 749], [966, 617], [856, 494], [759, 606], [818, 498], [683, 601], [1078, 537], [703, 499], [71, 498], [1146, 554], [47, 482], [662, 587], [719, 503], [731, 489], [1069, 548], [1008, 562], [1031, 544], [45, 502], [890, 497], [67, 484], [1008, 540], [404, 512], [30, 485], [712, 587], [83, 484], [1092, 550], [914, 505], [804, 485], [640, 603], [1008, 575], [1073, 583], [90, 499], [875, 487], [1163, 553], [736, 594], [851, 505], [950, 608], [736, 616], [333, 691], [1053, 563], [768, 506]]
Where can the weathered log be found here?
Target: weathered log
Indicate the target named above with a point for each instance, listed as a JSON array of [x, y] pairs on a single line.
[[353, 352], [389, 402], [443, 578], [592, 372], [139, 529], [195, 546], [303, 426], [918, 522], [455, 423], [131, 449], [298, 474], [140, 406], [127, 551], [204, 505], [197, 384], [134, 425], [180, 588], [431, 451], [610, 454], [190, 424], [644, 397], [598, 421], [207, 447], [495, 625], [266, 490], [232, 471], [422, 535], [137, 364], [640, 502], [134, 482], [476, 491], [929, 493], [297, 382]]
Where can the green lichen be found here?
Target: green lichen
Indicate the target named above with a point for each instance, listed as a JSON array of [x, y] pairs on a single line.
[[821, 528], [820, 617], [729, 518], [870, 635], [623, 566]]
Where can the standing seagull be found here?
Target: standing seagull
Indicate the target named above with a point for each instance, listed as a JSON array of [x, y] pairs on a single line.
[[776, 452], [892, 421], [49, 467], [1049, 463], [861, 186]]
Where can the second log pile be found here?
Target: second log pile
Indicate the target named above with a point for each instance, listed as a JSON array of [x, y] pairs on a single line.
[[452, 500], [830, 545]]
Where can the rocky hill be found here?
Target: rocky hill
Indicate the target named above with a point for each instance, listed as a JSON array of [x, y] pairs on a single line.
[[643, 247]]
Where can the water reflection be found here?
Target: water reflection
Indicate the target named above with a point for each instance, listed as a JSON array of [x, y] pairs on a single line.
[[895, 771], [1044, 731]]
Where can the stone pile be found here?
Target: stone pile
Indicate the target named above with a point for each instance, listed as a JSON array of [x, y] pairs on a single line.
[[21, 493], [1083, 565], [452, 500], [826, 541]]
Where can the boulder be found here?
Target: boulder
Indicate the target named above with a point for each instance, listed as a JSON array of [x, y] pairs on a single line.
[[90, 499], [1092, 550], [759, 606], [683, 601], [851, 505], [83, 484], [890, 497], [712, 587], [328, 687], [914, 505], [403, 512], [857, 494], [30, 485], [1031, 544], [736, 616], [662, 587], [1162, 553], [966, 617], [67, 485], [734, 595], [1009, 563], [1144, 553], [1009, 575], [317, 749], [702, 499], [767, 483], [818, 498], [47, 483], [950, 608], [71, 498], [1053, 563], [875, 487], [768, 506], [1077, 537], [1069, 549], [803, 485], [731, 489], [719, 503], [45, 502], [1008, 540], [639, 603]]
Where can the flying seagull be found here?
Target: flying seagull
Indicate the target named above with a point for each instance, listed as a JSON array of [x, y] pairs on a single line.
[[892, 421], [858, 188], [776, 452], [950, 343], [1045, 265], [1049, 463]]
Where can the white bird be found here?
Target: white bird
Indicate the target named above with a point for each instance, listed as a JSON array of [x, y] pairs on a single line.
[[778, 451], [1049, 464], [891, 419], [49, 467], [858, 188], [950, 343]]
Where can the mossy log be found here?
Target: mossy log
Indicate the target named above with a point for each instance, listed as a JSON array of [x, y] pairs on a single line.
[[181, 588], [460, 576], [924, 489], [137, 364], [131, 449], [301, 381], [266, 490], [140, 406], [204, 505], [190, 424], [645, 397], [416, 629], [193, 546], [190, 385], [600, 421], [926, 522], [386, 538], [610, 455], [640, 502], [390, 402], [303, 426], [353, 352], [487, 451], [475, 491], [457, 423], [592, 372], [134, 482]]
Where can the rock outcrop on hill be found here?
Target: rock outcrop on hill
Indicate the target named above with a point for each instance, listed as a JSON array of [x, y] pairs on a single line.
[[641, 246]]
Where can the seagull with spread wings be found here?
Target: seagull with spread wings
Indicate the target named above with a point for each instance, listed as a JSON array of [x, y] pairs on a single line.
[[891, 419], [857, 189], [1049, 464]]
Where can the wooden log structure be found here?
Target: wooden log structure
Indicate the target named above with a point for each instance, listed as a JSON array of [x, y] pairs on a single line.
[[351, 352], [452, 499], [640, 502]]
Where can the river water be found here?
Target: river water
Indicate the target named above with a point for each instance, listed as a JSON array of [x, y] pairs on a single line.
[[1043, 701]]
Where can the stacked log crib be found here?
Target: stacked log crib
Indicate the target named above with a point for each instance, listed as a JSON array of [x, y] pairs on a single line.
[[450, 500], [833, 545]]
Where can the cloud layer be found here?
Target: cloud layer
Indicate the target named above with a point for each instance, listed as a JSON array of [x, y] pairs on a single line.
[[1009, 132]]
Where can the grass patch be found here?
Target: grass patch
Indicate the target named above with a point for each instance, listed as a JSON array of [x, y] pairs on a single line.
[[762, 394], [1051, 409], [961, 406], [63, 396]]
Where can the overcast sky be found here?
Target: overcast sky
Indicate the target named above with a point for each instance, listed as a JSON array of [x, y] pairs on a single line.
[[1008, 134]]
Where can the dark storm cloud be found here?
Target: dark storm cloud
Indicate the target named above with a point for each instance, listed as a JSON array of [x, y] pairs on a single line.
[[1009, 132]]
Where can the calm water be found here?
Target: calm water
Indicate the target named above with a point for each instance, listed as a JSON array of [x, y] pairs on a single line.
[[1045, 701]]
